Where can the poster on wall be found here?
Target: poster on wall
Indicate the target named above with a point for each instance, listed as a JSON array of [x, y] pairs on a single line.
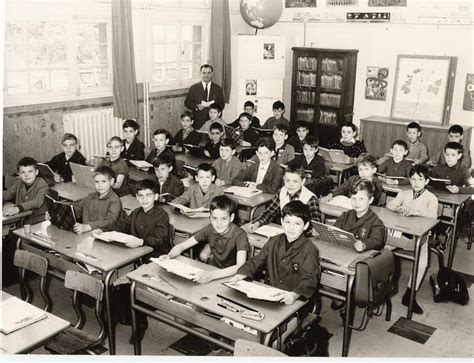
[[468, 103], [387, 2], [300, 3], [269, 90], [268, 51], [341, 2], [251, 87], [376, 83]]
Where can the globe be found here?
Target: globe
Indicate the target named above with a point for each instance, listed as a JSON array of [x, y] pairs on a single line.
[[261, 14]]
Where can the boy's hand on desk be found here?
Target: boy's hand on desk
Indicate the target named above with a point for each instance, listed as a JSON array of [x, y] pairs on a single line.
[[359, 246], [203, 277], [73, 179], [207, 153], [10, 210], [197, 214], [174, 252], [219, 182], [144, 169], [327, 198], [416, 161], [97, 232], [134, 242], [290, 297], [250, 184], [58, 178], [237, 278], [452, 188], [250, 227], [245, 143], [80, 228], [176, 148]]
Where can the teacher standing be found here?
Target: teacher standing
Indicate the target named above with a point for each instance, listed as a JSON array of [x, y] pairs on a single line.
[[202, 94]]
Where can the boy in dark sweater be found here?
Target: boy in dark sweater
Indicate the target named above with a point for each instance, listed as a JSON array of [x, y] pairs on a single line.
[[60, 163], [133, 149], [187, 135], [397, 165], [302, 131], [168, 185], [452, 170]]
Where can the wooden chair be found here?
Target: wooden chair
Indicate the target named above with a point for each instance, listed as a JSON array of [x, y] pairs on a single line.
[[25, 260], [246, 348], [74, 340]]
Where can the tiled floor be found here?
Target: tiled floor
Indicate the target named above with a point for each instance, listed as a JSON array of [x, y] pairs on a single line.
[[454, 335]]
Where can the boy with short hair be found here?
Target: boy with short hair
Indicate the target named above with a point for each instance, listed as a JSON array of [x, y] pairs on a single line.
[[347, 143], [416, 202], [397, 165], [99, 209], [264, 174], [302, 131], [284, 152], [211, 149], [161, 138], [293, 189], [59, 164], [133, 148], [215, 112], [455, 134], [452, 170], [199, 195], [248, 135], [167, 183], [228, 166], [417, 151], [361, 221], [249, 107], [118, 165], [277, 118], [187, 134], [366, 167], [227, 242], [290, 259]]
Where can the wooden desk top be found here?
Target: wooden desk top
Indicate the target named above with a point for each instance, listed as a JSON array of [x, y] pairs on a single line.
[[15, 217], [443, 196], [139, 175], [184, 224], [338, 166], [72, 191], [32, 335], [193, 160], [275, 313], [84, 248]]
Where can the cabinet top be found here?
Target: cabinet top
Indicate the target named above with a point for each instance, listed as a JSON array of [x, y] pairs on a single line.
[[388, 120], [328, 50]]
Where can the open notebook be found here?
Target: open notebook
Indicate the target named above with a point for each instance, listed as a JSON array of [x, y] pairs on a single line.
[[269, 231], [334, 235], [254, 290], [62, 214], [83, 174], [243, 192], [177, 267], [334, 155], [17, 314]]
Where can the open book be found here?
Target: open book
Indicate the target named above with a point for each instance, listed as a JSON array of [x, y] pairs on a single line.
[[17, 314], [254, 290], [141, 163], [341, 201], [439, 183], [62, 214], [83, 174], [177, 267], [46, 173], [112, 236], [390, 176], [269, 231], [334, 155], [187, 209], [242, 191], [334, 235]]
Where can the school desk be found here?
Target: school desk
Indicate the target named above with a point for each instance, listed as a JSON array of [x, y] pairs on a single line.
[[338, 168], [138, 175], [64, 249], [10, 223], [183, 304], [451, 202], [72, 191], [193, 160], [34, 335], [419, 227], [251, 204]]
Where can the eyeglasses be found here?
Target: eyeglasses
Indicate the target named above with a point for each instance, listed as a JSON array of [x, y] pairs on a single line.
[[215, 133]]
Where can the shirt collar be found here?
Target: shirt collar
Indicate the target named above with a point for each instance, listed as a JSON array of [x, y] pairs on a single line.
[[353, 140], [204, 84], [109, 193], [294, 196], [417, 194]]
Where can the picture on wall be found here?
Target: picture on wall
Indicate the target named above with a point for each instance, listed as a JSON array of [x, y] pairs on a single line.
[[376, 83], [268, 51], [341, 2], [468, 103], [421, 88], [251, 87], [300, 3], [387, 2]]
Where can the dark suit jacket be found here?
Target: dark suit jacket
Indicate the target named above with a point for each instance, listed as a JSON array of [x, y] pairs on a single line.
[[193, 138], [136, 150], [60, 165], [172, 185], [272, 180], [196, 95]]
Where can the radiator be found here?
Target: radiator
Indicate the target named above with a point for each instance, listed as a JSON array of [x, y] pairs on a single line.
[[93, 128]]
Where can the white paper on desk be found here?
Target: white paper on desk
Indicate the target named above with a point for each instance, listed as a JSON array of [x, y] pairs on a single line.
[[187, 209], [141, 163], [341, 201], [257, 291], [243, 192], [177, 267], [113, 236], [17, 314], [269, 231]]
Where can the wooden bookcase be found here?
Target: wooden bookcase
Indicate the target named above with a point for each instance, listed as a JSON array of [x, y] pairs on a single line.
[[322, 91]]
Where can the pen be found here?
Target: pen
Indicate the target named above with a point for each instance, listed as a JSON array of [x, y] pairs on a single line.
[[228, 307]]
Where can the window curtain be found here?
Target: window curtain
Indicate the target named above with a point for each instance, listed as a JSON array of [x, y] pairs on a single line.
[[125, 96], [220, 46]]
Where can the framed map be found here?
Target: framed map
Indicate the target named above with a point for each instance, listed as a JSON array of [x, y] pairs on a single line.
[[423, 88]]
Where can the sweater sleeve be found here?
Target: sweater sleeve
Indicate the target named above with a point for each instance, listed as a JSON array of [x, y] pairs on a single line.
[[251, 266], [111, 216], [309, 280], [185, 198], [159, 233], [122, 224], [38, 200], [275, 178], [376, 238]]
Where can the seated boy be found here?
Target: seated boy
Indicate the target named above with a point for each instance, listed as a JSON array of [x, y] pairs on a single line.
[[293, 189], [347, 143], [264, 174], [366, 167], [289, 259], [361, 221], [187, 135], [417, 151], [452, 170], [416, 202], [167, 183], [278, 109], [228, 166], [59, 164], [200, 195], [215, 112], [249, 107], [99, 209], [455, 134], [211, 149], [297, 141], [161, 139], [118, 165], [133, 148], [284, 152], [227, 243], [397, 165], [248, 135]]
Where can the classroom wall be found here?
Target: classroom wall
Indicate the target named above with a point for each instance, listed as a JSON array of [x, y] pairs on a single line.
[[379, 45]]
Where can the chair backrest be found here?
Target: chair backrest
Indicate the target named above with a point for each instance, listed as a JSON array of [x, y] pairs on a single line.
[[86, 284], [246, 348], [31, 262]]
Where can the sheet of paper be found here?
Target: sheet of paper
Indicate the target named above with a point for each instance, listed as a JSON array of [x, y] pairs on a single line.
[[257, 291], [17, 314], [244, 192], [141, 163], [269, 231], [113, 236], [341, 201], [187, 209], [177, 267]]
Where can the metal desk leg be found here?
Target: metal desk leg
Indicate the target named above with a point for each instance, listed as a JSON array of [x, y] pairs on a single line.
[[251, 214], [346, 340], [137, 344], [414, 273], [108, 310], [452, 245]]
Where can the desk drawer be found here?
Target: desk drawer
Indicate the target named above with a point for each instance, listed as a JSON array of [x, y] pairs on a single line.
[[333, 279]]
